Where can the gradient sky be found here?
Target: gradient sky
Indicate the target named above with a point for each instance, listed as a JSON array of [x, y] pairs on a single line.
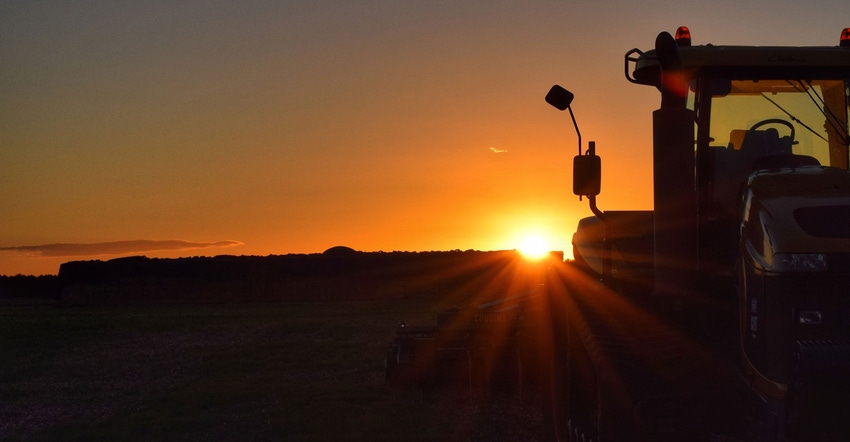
[[185, 127]]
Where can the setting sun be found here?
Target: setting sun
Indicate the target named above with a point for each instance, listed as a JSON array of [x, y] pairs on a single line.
[[534, 247]]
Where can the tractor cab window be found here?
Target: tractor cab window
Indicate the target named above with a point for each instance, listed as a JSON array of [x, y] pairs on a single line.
[[759, 118]]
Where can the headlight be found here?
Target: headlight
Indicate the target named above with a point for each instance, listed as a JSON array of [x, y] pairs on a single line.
[[799, 262]]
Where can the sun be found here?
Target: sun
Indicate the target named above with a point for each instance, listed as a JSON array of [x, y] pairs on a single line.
[[533, 247]]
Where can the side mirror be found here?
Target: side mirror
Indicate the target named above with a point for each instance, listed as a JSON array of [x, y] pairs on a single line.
[[559, 97], [587, 175]]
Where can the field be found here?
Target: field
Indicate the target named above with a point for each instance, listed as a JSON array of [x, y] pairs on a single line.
[[263, 371]]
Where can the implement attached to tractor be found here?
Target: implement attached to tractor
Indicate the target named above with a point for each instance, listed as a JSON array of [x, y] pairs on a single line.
[[472, 348]]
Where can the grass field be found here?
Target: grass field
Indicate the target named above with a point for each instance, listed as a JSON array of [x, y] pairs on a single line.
[[279, 371]]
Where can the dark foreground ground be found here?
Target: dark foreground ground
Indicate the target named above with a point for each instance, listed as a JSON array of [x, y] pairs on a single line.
[[289, 371]]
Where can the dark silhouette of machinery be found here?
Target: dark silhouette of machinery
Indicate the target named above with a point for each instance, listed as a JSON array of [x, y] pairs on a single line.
[[723, 313]]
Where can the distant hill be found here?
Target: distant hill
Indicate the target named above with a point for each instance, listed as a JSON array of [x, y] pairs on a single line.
[[338, 273]]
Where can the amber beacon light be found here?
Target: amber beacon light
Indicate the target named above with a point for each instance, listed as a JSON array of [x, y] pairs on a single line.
[[844, 41], [683, 36]]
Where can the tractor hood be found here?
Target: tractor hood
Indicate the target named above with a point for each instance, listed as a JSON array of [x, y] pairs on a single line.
[[797, 219]]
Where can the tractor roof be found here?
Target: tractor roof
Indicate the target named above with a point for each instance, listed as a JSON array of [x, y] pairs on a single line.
[[750, 62]]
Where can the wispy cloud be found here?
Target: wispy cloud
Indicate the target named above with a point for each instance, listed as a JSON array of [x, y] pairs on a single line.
[[116, 247], [497, 150]]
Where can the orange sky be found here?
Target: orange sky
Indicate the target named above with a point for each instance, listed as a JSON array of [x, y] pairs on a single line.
[[188, 128]]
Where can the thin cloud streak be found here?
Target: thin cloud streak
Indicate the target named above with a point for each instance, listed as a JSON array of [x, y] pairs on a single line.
[[116, 247]]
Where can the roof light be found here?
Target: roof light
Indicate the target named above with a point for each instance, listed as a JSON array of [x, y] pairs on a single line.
[[683, 36], [844, 41]]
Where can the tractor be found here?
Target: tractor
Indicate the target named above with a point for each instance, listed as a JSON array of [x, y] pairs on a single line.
[[724, 312]]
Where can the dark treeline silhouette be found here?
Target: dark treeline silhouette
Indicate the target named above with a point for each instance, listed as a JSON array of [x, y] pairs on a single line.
[[28, 287], [337, 273]]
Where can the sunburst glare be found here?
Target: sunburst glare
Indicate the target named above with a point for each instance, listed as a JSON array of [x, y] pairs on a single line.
[[534, 247]]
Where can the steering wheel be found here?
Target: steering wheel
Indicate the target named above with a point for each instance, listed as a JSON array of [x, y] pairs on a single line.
[[779, 121]]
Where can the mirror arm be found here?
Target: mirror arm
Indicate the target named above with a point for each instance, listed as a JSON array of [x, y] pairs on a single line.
[[594, 208], [578, 132]]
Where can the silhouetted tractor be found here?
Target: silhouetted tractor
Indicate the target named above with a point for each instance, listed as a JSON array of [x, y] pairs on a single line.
[[724, 312]]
